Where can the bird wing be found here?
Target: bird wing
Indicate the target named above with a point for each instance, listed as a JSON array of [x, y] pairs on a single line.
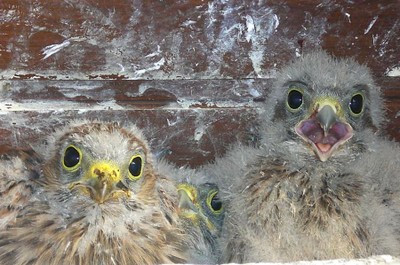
[[18, 170]]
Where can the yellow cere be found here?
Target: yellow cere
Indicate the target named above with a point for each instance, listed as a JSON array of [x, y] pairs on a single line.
[[328, 101], [106, 169]]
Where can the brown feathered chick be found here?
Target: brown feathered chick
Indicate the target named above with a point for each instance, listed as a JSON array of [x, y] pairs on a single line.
[[97, 201]]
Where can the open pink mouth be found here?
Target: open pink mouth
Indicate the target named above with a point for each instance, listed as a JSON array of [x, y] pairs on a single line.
[[324, 143]]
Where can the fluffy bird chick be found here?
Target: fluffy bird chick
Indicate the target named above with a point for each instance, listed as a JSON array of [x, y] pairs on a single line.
[[98, 200], [323, 184], [203, 214], [200, 211]]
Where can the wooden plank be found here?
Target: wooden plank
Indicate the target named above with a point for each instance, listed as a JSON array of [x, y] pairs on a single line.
[[187, 137], [185, 127], [188, 39], [189, 128], [193, 74], [134, 93]]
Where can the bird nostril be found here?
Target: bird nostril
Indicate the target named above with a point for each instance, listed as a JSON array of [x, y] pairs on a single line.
[[97, 172]]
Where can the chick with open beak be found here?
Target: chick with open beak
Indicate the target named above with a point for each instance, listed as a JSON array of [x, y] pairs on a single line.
[[325, 129]]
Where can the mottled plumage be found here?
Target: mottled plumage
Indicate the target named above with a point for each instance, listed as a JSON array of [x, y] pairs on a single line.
[[323, 184], [97, 200], [18, 170]]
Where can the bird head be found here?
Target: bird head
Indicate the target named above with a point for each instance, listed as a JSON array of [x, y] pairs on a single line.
[[201, 205], [102, 162], [326, 103]]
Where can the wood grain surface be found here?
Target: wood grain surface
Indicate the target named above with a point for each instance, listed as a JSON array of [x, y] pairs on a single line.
[[193, 74]]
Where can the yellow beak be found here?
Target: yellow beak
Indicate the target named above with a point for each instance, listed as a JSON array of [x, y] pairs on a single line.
[[102, 182]]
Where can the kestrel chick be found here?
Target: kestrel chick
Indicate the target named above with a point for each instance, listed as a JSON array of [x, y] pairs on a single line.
[[203, 214], [98, 200], [200, 211], [319, 185]]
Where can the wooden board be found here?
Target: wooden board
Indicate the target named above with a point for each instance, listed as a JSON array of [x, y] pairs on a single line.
[[193, 74]]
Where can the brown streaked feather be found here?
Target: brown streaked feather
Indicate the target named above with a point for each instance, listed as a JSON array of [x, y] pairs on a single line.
[[59, 225], [46, 240], [19, 168]]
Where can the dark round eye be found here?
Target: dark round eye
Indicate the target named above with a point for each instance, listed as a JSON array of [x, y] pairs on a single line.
[[215, 202], [72, 157], [135, 166], [356, 104], [294, 99]]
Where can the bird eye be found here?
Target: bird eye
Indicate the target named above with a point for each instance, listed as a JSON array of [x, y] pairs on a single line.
[[72, 158], [135, 167], [356, 104], [214, 202], [294, 99]]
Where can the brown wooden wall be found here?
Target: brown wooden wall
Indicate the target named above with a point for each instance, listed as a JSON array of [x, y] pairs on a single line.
[[191, 73]]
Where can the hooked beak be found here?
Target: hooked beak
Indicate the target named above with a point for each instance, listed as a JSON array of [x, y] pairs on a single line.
[[102, 183], [187, 197], [325, 129], [326, 117], [189, 205]]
